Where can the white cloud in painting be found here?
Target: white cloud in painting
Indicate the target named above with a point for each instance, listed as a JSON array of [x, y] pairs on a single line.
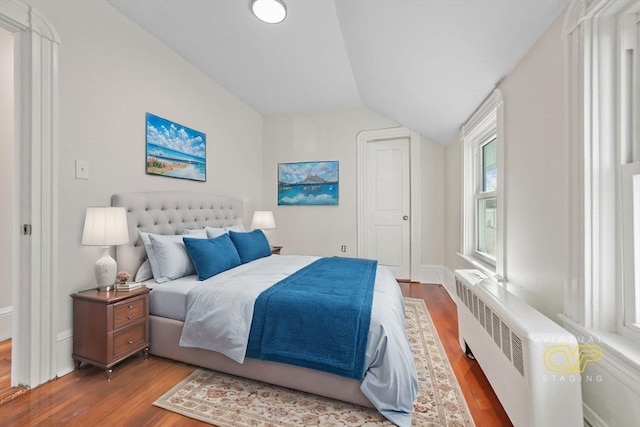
[[177, 139], [297, 172]]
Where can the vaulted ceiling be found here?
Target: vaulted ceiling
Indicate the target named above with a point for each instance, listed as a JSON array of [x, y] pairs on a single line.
[[426, 64]]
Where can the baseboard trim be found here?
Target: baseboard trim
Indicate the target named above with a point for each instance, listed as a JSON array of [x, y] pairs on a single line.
[[6, 316], [450, 282], [64, 349], [432, 274]]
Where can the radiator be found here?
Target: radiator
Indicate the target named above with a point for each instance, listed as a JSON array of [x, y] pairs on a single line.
[[532, 363]]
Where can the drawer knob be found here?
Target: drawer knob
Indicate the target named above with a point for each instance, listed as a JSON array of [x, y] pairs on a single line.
[[130, 342], [130, 306], [129, 318]]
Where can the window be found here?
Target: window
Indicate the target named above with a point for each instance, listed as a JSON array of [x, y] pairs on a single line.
[[486, 221], [482, 214], [631, 245], [603, 60], [601, 291], [630, 171]]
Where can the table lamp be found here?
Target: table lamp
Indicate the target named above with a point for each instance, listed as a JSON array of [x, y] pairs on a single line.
[[263, 220], [105, 226]]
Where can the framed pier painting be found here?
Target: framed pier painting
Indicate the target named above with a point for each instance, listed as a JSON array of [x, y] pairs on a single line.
[[308, 183], [175, 150]]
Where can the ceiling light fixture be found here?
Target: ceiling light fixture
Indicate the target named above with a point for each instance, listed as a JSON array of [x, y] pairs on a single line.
[[269, 11]]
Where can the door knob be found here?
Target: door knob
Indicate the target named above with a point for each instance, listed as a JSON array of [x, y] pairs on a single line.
[[405, 217]]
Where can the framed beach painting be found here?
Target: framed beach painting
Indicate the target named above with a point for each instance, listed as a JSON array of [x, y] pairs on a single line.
[[308, 183], [174, 150]]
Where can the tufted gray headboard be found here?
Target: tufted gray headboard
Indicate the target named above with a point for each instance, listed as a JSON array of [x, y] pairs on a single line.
[[169, 212]]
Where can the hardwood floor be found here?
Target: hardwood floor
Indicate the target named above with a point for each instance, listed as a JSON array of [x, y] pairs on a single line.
[[84, 397], [5, 367], [5, 364]]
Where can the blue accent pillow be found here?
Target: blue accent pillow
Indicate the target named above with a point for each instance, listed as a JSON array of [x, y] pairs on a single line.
[[212, 256], [250, 246]]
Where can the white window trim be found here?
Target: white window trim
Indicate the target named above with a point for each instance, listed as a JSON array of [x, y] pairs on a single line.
[[629, 159], [596, 146], [593, 41], [630, 235], [485, 122], [478, 195]]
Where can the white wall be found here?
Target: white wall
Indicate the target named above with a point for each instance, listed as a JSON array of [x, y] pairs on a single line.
[[324, 135], [6, 181], [331, 135], [535, 176], [111, 72], [453, 209], [432, 203]]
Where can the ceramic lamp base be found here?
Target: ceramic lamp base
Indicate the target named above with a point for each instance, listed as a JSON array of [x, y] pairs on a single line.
[[106, 269]]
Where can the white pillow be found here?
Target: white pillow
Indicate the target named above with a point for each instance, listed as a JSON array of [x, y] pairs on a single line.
[[189, 231], [212, 232], [173, 259], [200, 233], [151, 256], [144, 272], [168, 256]]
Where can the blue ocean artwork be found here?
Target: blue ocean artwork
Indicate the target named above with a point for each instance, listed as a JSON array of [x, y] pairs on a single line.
[[174, 150], [308, 183]]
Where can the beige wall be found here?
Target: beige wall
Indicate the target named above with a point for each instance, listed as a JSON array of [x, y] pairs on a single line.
[[111, 72], [535, 177], [6, 181]]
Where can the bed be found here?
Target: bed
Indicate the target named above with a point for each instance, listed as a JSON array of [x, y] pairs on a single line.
[[174, 213]]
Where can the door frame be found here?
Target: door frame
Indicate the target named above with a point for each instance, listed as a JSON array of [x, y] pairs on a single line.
[[376, 135], [35, 193]]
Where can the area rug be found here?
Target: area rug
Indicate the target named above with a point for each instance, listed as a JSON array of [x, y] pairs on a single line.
[[228, 401]]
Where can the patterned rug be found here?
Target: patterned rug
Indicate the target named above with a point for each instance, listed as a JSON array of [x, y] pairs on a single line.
[[228, 401]]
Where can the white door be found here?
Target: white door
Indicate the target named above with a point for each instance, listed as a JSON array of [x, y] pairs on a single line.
[[387, 230]]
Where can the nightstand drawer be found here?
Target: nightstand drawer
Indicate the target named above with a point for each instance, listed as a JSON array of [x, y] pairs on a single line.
[[128, 339], [128, 311], [108, 327]]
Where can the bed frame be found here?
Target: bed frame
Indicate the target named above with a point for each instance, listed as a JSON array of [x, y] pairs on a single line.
[[170, 212]]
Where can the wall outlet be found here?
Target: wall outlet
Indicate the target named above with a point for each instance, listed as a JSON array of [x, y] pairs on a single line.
[[82, 169], [343, 248]]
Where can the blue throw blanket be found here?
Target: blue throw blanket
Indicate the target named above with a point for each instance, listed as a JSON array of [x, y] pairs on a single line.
[[317, 318]]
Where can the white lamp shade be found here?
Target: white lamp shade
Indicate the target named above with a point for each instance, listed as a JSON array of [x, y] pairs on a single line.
[[269, 11], [105, 226], [263, 220]]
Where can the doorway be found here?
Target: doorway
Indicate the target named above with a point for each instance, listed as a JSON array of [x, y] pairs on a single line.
[[33, 230], [388, 199], [7, 83]]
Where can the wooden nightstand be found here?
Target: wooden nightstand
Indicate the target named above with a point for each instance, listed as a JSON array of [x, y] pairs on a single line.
[[275, 250], [108, 327]]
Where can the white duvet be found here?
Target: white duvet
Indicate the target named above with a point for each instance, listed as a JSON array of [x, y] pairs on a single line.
[[220, 311]]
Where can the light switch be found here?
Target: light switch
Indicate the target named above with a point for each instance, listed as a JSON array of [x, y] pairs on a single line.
[[82, 169]]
